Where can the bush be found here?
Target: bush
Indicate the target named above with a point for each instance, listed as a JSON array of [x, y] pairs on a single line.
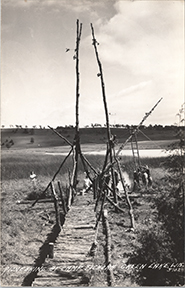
[[163, 243], [32, 140]]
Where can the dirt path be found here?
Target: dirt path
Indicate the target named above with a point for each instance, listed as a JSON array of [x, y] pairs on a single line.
[[71, 263]]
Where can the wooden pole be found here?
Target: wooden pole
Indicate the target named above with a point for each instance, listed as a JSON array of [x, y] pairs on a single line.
[[77, 134], [137, 128], [73, 179], [89, 164], [101, 211], [98, 193], [85, 165], [69, 199], [100, 181], [131, 213], [106, 110], [56, 132], [55, 204], [115, 205], [95, 187], [93, 248], [110, 275], [106, 157], [62, 198], [53, 177]]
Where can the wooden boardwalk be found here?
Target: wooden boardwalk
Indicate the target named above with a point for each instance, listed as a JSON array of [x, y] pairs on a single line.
[[71, 264]]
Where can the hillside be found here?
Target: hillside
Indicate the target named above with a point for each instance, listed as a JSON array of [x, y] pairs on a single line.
[[32, 138]]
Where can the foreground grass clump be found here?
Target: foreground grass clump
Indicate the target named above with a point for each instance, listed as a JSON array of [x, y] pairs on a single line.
[[23, 231], [162, 244]]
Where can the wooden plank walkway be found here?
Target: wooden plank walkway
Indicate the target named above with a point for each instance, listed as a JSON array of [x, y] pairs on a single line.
[[71, 263]]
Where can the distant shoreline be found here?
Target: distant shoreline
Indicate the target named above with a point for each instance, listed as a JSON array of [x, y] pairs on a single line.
[[157, 148]]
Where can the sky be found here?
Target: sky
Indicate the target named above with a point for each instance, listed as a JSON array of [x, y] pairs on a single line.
[[140, 48]]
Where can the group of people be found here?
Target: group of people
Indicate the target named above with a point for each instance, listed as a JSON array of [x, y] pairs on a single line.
[[142, 174], [106, 182]]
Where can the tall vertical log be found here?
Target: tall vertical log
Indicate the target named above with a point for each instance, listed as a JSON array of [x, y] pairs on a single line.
[[77, 136], [106, 111]]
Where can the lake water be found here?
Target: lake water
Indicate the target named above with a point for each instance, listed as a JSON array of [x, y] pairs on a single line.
[[143, 153]]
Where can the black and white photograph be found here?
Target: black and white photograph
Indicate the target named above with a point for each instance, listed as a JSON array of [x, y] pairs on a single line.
[[92, 143]]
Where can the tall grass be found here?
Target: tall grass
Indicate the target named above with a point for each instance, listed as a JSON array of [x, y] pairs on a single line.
[[18, 166]]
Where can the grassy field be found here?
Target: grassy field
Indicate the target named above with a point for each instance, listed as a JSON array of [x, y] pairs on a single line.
[[17, 165], [23, 228]]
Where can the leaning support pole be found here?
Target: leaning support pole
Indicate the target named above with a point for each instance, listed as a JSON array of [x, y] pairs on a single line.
[[56, 132], [85, 165], [88, 163], [131, 213], [101, 211], [137, 128], [110, 275], [115, 205], [61, 165], [95, 43]]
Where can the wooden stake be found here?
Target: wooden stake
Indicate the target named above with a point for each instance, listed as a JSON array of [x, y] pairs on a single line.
[[55, 205], [69, 199], [110, 275], [95, 242], [62, 198]]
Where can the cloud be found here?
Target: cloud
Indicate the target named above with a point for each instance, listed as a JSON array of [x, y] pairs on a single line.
[[80, 5], [132, 89], [144, 38], [141, 49]]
